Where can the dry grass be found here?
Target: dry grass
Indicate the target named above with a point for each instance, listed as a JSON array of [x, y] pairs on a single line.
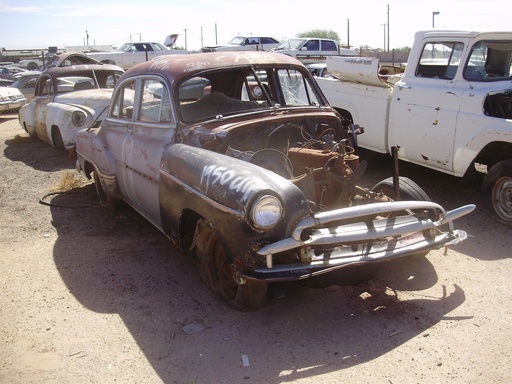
[[69, 180]]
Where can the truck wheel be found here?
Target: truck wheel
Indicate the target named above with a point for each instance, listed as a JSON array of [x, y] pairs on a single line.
[[497, 192], [215, 270], [409, 190]]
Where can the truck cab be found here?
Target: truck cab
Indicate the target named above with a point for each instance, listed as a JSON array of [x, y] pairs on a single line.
[[451, 110]]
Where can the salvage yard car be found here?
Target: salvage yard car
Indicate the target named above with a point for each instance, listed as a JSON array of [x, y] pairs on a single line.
[[68, 98], [129, 54], [254, 175], [11, 99], [241, 43]]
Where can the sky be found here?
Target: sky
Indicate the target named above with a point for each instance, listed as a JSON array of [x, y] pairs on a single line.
[[45, 23]]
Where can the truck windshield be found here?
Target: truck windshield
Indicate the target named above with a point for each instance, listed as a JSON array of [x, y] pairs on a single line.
[[489, 61]]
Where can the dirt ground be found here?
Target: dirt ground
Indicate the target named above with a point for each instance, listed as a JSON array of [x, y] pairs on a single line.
[[89, 297]]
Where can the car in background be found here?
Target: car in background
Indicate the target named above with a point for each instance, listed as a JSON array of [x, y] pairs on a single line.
[[241, 43], [8, 72], [68, 98], [11, 99], [253, 174], [133, 53], [26, 83], [312, 49]]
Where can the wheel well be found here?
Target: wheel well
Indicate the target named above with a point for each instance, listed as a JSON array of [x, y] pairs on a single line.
[[88, 169], [188, 222], [57, 137], [491, 154], [345, 114]]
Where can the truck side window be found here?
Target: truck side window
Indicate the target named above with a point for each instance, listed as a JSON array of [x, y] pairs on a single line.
[[440, 60], [489, 61]]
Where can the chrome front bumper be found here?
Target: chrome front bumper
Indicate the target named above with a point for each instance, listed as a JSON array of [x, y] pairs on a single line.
[[374, 238]]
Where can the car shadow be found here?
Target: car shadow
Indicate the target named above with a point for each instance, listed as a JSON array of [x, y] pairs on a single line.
[[119, 263], [36, 154]]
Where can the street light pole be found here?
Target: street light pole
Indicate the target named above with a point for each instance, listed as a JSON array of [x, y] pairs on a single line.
[[433, 16]]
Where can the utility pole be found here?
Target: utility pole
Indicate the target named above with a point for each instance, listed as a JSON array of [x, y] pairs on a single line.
[[388, 27], [384, 36], [185, 39], [348, 33]]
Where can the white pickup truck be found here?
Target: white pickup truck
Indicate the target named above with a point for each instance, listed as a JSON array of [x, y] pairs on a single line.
[[451, 110]]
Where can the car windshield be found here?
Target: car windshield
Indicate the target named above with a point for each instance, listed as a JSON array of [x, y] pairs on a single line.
[[291, 44], [237, 40], [224, 93], [125, 47]]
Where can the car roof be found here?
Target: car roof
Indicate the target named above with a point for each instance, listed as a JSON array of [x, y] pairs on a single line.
[[176, 67]]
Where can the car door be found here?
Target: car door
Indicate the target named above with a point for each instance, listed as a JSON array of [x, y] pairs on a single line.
[[44, 96], [425, 107], [140, 127]]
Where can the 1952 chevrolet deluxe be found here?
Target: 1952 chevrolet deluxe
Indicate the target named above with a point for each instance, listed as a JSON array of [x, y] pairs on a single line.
[[239, 160]]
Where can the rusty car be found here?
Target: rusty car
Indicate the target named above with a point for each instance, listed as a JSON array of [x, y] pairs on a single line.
[[69, 96], [254, 175]]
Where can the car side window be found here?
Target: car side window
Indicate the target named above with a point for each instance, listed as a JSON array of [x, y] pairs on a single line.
[[155, 103], [328, 45], [123, 103], [46, 87]]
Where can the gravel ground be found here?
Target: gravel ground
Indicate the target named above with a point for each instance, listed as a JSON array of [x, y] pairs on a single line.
[[90, 297]]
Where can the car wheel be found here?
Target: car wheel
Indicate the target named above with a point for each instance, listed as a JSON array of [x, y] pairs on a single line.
[[215, 270], [32, 66], [497, 192], [409, 190]]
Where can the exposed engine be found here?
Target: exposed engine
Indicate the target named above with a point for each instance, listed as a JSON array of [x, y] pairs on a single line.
[[326, 171]]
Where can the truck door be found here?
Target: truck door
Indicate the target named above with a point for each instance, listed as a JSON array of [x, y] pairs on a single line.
[[425, 105]]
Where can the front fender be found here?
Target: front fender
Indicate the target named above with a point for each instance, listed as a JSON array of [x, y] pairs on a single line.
[[222, 189], [27, 120]]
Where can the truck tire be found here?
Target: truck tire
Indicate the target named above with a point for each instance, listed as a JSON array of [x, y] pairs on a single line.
[[409, 190], [216, 272], [497, 192]]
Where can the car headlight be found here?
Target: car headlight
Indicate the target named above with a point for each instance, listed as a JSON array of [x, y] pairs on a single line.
[[78, 118], [266, 211]]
